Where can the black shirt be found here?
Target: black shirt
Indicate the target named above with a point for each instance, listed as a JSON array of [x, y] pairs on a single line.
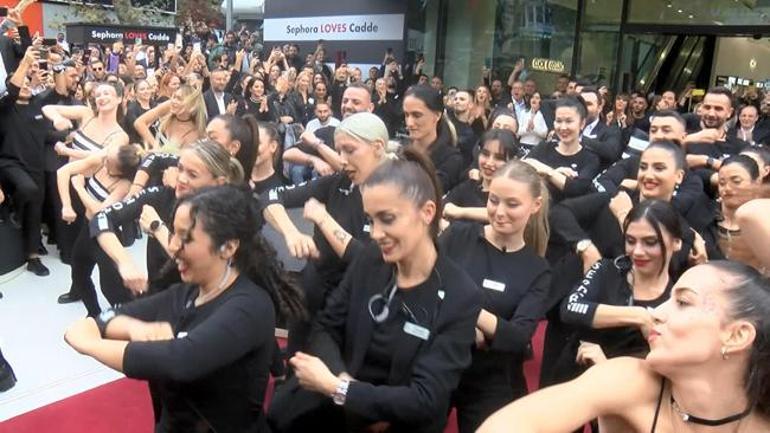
[[215, 371], [23, 134], [584, 162], [276, 180], [155, 163], [607, 283], [133, 111], [449, 164], [429, 357], [468, 194], [343, 202], [163, 199]]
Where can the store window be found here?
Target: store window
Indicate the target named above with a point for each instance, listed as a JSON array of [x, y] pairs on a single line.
[[599, 40], [700, 12]]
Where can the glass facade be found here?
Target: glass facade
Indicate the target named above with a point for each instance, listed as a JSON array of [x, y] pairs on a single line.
[[620, 43]]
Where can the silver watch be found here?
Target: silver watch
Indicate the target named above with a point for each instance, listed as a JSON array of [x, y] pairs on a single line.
[[341, 393], [582, 246]]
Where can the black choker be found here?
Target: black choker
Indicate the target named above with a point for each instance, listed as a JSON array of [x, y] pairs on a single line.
[[686, 417]]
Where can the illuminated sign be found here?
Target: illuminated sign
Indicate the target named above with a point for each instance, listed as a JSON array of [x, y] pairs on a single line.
[[547, 65]]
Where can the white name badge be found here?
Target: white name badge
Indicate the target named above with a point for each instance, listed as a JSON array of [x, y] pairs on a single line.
[[367, 228], [417, 331], [181, 334], [493, 285]]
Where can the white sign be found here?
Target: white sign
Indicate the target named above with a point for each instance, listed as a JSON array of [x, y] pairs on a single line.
[[386, 27]]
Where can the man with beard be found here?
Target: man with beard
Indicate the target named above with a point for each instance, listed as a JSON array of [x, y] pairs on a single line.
[[639, 118], [316, 149], [293, 57], [500, 98], [468, 128], [603, 140], [216, 99], [22, 160], [707, 148]]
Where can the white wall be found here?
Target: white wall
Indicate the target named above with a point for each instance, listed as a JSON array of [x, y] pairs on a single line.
[[733, 55]]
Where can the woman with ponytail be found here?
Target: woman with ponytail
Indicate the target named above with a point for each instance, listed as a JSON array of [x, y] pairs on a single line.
[[390, 346], [504, 257], [204, 344]]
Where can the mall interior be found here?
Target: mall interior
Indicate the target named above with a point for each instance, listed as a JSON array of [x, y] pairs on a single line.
[[624, 44]]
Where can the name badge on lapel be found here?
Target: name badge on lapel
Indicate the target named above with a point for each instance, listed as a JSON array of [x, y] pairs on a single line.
[[493, 285], [416, 331], [367, 228]]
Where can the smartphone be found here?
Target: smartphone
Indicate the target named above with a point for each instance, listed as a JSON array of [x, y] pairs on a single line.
[[197, 47], [43, 65], [178, 42], [3, 11], [138, 41], [49, 42]]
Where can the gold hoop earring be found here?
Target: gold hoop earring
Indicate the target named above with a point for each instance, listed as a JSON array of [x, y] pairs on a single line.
[[724, 353]]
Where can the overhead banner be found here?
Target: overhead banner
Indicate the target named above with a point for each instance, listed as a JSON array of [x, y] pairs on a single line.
[[107, 34], [384, 27]]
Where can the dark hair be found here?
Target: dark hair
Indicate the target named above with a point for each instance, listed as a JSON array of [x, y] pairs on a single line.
[[674, 149], [745, 106], [748, 296], [250, 83], [240, 130], [744, 161], [762, 152], [129, 158], [574, 103], [271, 131], [657, 213], [415, 177], [357, 85], [669, 113], [435, 102], [594, 90], [724, 91], [502, 111], [229, 213], [508, 141]]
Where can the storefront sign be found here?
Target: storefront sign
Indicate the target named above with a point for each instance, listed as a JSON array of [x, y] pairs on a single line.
[[547, 65], [386, 27], [89, 33]]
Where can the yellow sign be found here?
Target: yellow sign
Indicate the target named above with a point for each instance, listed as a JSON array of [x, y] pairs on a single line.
[[698, 92], [547, 65]]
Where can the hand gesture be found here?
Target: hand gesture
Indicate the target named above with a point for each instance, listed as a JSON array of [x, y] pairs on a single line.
[[698, 253], [301, 246], [68, 214], [621, 205], [313, 374], [567, 171], [14, 16], [62, 124], [481, 340], [232, 106], [31, 56], [169, 177], [314, 211], [590, 354], [322, 167], [60, 148], [451, 211], [133, 278]]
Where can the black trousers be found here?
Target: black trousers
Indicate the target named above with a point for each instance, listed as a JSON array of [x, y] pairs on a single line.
[[315, 289], [27, 190], [86, 254]]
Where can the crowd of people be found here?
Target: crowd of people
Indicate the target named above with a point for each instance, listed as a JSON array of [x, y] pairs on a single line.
[[447, 223]]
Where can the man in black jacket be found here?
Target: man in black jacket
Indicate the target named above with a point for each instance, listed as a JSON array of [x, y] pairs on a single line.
[[10, 50], [603, 140], [216, 98]]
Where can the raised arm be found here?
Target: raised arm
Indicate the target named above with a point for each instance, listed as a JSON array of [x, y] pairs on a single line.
[[63, 175], [63, 115], [142, 124]]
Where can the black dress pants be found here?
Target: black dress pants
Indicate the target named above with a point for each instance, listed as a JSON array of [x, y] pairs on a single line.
[[27, 190], [86, 254]]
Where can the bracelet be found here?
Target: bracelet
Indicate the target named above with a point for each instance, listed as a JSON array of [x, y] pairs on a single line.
[[103, 319], [137, 184]]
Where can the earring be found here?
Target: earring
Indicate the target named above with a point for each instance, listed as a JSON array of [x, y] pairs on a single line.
[[724, 353]]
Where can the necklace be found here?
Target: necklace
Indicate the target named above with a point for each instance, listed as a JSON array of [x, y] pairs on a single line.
[[686, 417]]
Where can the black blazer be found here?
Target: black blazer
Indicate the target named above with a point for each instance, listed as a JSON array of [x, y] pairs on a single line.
[[212, 109], [12, 52], [607, 143], [423, 374]]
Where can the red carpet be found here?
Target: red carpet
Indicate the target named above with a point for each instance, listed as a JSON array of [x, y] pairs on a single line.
[[124, 406]]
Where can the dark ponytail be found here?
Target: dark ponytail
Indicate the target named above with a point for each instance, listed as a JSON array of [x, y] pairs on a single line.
[[415, 177], [229, 213]]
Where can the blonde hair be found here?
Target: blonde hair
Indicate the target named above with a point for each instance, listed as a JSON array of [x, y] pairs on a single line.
[[537, 231], [218, 161], [192, 101]]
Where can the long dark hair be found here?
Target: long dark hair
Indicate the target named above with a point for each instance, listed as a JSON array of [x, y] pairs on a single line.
[[415, 177], [229, 213], [433, 100], [657, 213], [247, 135]]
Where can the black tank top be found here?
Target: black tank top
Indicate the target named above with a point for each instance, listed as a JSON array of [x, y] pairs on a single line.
[[657, 408]]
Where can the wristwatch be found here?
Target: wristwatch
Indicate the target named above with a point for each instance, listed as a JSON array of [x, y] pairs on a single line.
[[154, 226], [582, 246], [103, 319], [710, 162], [341, 393]]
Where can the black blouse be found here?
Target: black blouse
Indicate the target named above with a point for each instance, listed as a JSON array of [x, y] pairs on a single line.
[[468, 194], [585, 163], [215, 372]]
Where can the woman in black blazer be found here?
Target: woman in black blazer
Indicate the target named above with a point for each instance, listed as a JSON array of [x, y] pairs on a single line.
[[390, 346]]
